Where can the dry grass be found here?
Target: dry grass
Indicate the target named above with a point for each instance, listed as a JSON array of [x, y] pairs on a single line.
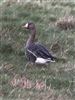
[[66, 23]]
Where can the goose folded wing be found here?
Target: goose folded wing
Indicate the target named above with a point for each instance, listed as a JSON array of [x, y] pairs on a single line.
[[39, 50]]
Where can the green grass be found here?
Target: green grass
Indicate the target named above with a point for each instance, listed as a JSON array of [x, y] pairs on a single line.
[[59, 76]]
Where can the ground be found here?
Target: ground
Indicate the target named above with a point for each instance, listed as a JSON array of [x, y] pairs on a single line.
[[59, 77]]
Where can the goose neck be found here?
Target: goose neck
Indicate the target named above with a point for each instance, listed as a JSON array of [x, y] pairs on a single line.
[[31, 38]]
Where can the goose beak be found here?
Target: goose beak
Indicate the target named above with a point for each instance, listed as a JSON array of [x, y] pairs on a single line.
[[25, 26]]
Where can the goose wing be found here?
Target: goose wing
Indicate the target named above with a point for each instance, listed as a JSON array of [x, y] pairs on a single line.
[[38, 50]]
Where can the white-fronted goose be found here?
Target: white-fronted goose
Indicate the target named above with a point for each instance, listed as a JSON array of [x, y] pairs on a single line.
[[36, 52]]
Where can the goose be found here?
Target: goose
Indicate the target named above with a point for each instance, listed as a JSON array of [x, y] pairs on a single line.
[[36, 52]]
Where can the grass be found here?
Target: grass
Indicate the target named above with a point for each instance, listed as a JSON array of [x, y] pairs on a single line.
[[59, 76]]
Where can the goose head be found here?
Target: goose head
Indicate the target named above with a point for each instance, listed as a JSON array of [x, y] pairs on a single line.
[[29, 26]]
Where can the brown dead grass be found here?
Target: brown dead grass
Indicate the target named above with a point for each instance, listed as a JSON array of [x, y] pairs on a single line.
[[66, 23]]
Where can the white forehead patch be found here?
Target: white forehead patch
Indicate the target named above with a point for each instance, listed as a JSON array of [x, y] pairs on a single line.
[[26, 25]]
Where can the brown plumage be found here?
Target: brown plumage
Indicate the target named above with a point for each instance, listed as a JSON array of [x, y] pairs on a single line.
[[35, 51]]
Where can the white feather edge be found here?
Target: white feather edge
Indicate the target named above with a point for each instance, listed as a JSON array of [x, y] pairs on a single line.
[[40, 60]]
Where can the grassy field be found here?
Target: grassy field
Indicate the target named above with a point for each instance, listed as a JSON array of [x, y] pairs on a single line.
[[59, 77]]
